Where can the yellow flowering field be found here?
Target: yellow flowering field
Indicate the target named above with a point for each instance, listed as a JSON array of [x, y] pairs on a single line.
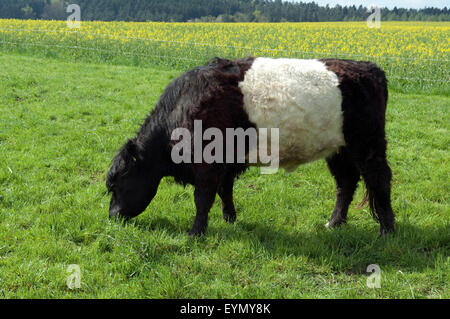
[[414, 54]]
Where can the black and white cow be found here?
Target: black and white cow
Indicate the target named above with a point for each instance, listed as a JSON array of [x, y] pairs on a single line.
[[329, 108]]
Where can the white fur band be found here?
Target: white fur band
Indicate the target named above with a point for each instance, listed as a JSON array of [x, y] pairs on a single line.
[[302, 99]]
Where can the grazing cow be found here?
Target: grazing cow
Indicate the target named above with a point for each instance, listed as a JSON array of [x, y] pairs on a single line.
[[328, 108]]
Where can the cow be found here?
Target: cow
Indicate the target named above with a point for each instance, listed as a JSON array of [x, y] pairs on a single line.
[[323, 108]]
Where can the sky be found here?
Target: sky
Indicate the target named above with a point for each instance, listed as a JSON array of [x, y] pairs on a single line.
[[416, 4]]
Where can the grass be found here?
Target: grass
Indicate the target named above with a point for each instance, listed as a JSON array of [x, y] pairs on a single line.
[[62, 123]]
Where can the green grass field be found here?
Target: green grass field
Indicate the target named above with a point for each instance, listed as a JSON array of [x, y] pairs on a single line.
[[60, 126]]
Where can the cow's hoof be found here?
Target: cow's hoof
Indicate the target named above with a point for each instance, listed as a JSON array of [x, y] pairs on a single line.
[[384, 231], [196, 232], [335, 223], [229, 218]]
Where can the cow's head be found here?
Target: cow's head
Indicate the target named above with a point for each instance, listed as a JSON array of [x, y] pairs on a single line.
[[132, 181]]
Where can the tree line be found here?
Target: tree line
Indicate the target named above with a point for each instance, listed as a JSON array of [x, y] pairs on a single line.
[[209, 11]]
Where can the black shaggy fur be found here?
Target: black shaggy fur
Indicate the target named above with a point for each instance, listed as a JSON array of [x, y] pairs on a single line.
[[211, 93], [364, 91]]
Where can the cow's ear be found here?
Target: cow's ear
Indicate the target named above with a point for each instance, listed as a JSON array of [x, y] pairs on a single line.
[[132, 150]]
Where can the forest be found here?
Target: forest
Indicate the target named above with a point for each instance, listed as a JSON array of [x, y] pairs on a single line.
[[209, 11]]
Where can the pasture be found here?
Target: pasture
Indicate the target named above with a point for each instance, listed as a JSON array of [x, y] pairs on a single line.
[[415, 55], [63, 118]]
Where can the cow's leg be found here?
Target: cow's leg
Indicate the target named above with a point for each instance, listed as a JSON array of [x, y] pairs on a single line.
[[206, 184], [377, 176], [347, 176], [226, 194]]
